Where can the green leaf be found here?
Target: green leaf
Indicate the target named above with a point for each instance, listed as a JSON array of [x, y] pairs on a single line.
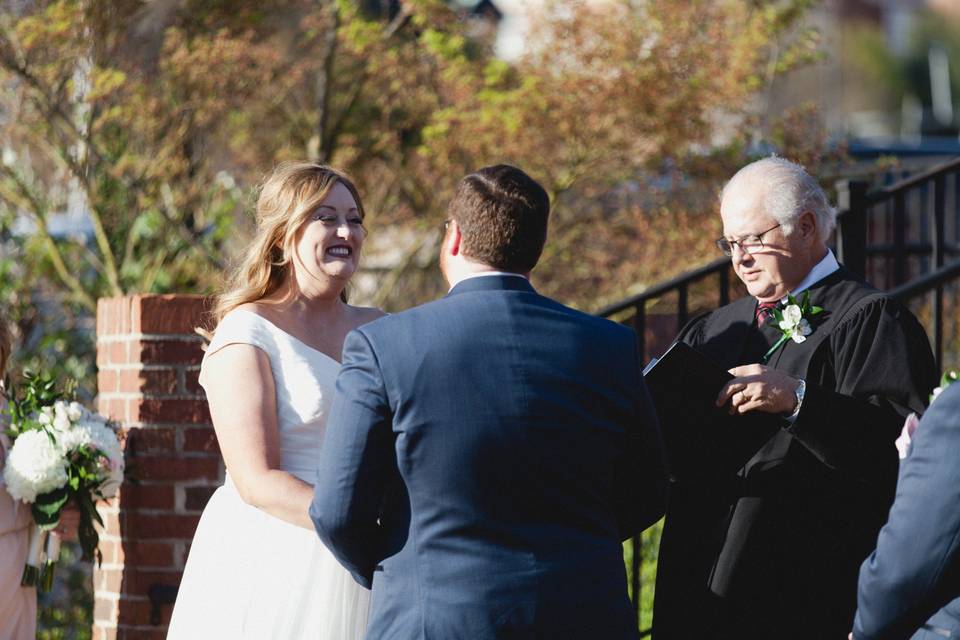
[[46, 509], [87, 533], [815, 310]]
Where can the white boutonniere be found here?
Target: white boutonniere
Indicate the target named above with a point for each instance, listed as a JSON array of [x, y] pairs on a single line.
[[794, 322]]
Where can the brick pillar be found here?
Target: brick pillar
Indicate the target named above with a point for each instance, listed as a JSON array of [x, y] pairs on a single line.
[[148, 357]]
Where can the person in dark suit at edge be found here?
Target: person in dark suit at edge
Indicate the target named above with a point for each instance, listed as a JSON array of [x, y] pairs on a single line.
[[910, 585]]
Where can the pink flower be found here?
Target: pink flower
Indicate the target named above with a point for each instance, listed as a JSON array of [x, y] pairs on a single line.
[[906, 435]]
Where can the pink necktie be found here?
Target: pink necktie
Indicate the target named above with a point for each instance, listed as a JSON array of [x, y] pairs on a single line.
[[764, 310]]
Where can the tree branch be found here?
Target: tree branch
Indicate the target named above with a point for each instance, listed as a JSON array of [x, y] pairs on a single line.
[[395, 25], [39, 211], [324, 86], [390, 280]]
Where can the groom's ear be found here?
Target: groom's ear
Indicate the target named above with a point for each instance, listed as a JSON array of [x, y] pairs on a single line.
[[455, 238]]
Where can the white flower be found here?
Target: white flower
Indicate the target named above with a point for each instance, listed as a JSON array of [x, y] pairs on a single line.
[[73, 438], [104, 439], [45, 417], [794, 325], [92, 431], [75, 411], [34, 466], [61, 416], [792, 315]]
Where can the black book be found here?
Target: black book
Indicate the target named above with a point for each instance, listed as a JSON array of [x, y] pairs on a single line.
[[701, 439]]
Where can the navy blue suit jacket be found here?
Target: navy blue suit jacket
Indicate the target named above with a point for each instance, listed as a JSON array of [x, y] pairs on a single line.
[[484, 457], [912, 580]]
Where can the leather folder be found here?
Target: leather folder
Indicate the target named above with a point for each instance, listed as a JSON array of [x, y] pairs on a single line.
[[701, 439]]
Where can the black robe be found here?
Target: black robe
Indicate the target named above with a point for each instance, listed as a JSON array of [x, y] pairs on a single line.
[[773, 551]]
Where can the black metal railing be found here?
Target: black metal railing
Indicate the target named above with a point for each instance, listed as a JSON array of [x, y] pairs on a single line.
[[903, 237]]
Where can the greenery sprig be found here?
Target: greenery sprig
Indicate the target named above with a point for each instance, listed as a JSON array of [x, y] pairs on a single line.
[[37, 391]]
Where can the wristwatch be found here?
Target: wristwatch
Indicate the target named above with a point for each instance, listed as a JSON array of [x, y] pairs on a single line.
[[799, 392]]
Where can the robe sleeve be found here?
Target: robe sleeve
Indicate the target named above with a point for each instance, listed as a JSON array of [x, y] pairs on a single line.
[[693, 332], [876, 368]]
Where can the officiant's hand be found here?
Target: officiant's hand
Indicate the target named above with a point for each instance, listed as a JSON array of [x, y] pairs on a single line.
[[758, 388]]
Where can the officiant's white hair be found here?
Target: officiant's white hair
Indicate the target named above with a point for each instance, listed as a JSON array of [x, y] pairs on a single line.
[[789, 191]]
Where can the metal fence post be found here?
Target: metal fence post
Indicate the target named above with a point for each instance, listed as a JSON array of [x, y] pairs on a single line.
[[852, 227]]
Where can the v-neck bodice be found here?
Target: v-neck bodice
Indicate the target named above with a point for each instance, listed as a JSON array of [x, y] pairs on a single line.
[[304, 381]]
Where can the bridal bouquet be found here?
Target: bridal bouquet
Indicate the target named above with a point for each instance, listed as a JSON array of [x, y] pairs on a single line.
[[61, 452]]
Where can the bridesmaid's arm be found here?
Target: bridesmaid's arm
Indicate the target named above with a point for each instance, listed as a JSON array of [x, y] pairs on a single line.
[[243, 406]]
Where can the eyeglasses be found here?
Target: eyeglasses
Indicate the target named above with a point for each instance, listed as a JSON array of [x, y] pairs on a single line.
[[752, 242]]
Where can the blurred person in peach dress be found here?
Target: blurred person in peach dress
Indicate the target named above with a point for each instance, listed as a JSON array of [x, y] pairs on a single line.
[[18, 605]]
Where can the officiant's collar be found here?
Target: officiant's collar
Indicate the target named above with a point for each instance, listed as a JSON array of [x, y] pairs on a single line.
[[820, 271]]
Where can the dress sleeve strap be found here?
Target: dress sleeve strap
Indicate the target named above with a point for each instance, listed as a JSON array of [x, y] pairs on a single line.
[[239, 327]]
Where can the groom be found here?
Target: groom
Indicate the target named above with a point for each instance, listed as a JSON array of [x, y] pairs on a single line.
[[487, 452]]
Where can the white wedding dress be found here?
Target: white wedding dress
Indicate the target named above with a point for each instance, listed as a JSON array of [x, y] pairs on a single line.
[[249, 574]]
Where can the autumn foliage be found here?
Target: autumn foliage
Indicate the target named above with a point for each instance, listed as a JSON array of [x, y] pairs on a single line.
[[159, 118]]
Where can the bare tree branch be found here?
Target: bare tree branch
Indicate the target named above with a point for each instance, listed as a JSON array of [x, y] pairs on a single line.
[[324, 85]]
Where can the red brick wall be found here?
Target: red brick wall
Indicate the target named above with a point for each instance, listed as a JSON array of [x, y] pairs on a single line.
[[148, 357]]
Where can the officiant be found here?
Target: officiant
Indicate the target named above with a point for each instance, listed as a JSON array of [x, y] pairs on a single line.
[[772, 550]]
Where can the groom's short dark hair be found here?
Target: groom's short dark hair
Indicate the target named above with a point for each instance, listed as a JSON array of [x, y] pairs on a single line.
[[502, 214]]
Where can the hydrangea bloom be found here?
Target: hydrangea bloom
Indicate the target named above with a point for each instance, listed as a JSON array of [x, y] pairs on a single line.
[[34, 466]]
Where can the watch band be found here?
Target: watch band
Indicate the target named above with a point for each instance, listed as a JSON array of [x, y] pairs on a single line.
[[799, 392]]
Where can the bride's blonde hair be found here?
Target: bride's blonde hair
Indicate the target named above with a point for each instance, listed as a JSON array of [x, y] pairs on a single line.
[[287, 198]]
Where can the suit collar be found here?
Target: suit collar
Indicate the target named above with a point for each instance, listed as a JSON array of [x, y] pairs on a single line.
[[493, 283]]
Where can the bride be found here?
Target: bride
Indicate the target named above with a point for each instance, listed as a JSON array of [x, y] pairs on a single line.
[[256, 567]]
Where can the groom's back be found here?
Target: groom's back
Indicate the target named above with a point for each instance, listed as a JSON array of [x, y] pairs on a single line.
[[512, 416]]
